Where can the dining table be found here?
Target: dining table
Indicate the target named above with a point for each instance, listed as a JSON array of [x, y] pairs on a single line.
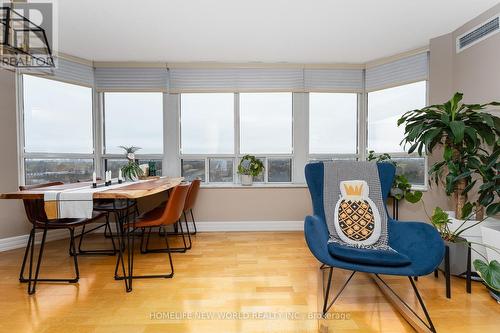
[[129, 192]]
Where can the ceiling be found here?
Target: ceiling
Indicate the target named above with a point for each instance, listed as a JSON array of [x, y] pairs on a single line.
[[307, 31]]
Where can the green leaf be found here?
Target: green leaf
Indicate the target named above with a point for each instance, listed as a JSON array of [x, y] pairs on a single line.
[[439, 217], [458, 129], [413, 196], [490, 273], [447, 153], [488, 119], [466, 210], [493, 209]]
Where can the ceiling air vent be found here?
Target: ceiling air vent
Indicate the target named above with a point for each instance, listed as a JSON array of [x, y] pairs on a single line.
[[479, 33]]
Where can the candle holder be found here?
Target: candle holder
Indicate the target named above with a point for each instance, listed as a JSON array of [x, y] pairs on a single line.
[[94, 185]]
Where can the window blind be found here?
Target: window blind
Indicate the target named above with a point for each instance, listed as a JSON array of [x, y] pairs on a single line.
[[406, 70], [235, 79], [131, 79], [333, 80]]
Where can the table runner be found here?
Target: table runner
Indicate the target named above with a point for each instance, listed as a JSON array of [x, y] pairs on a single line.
[[74, 202]]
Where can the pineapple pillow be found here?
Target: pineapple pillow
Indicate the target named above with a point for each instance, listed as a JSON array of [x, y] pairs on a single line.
[[357, 219]]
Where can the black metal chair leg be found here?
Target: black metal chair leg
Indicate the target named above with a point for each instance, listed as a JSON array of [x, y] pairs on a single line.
[[26, 252], [187, 231], [422, 305], [194, 222], [327, 306], [97, 252], [32, 282], [75, 257]]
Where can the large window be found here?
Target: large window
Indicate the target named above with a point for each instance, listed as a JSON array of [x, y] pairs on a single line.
[[58, 137], [133, 119], [208, 147], [57, 117], [266, 123], [207, 123], [333, 123], [385, 107]]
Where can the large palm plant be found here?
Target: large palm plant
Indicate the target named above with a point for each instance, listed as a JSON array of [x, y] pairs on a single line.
[[463, 130]]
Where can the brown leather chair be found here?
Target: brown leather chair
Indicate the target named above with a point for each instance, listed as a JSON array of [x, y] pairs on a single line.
[[160, 216], [191, 201], [35, 211]]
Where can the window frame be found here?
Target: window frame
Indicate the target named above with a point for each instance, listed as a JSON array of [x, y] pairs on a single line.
[[102, 155], [23, 155], [236, 155], [403, 154], [172, 157]]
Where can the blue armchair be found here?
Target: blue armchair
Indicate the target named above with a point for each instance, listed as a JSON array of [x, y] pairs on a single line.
[[419, 246]]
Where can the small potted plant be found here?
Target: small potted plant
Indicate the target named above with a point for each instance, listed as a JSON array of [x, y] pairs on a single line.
[[249, 167], [131, 170], [401, 187]]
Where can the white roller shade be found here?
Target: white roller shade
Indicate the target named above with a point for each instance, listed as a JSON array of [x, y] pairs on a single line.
[[65, 71], [131, 79], [333, 80], [238, 79], [406, 70]]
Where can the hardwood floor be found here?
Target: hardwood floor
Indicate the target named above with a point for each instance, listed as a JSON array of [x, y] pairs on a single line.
[[232, 282]]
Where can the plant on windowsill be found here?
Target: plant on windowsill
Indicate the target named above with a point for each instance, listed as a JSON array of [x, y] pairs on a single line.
[[249, 167], [401, 187], [131, 170]]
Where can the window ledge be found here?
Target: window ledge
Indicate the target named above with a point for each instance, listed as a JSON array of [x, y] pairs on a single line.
[[255, 185]]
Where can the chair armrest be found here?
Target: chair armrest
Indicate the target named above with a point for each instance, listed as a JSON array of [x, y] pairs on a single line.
[[317, 235], [418, 240]]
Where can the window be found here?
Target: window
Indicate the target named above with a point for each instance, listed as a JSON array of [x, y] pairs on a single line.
[[279, 170], [58, 137], [266, 123], [133, 119], [333, 124], [39, 171], [193, 169], [207, 123], [114, 165], [221, 170], [54, 111], [385, 107]]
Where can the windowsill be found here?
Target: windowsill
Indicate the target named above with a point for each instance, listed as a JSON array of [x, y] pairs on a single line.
[[255, 185]]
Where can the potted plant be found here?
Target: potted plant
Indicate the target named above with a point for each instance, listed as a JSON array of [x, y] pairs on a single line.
[[249, 167], [469, 138], [401, 187], [461, 130], [131, 170]]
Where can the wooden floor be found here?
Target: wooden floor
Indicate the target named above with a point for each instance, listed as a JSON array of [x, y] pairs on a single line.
[[231, 282]]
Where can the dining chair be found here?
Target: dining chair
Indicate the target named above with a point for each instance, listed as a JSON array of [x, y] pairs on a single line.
[[160, 216], [35, 212], [194, 188]]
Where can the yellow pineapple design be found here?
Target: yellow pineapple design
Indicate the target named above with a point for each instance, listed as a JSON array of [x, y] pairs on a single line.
[[357, 220]]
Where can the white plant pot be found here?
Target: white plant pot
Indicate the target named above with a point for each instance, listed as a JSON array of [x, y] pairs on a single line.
[[246, 180], [490, 230]]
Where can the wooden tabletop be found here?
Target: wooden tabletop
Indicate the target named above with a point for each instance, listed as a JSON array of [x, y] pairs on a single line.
[[131, 191]]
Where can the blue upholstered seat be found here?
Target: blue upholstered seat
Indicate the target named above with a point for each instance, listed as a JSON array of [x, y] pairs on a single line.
[[419, 245], [368, 256]]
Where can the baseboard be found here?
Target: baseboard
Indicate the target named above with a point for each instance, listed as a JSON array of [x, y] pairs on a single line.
[[16, 242]]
